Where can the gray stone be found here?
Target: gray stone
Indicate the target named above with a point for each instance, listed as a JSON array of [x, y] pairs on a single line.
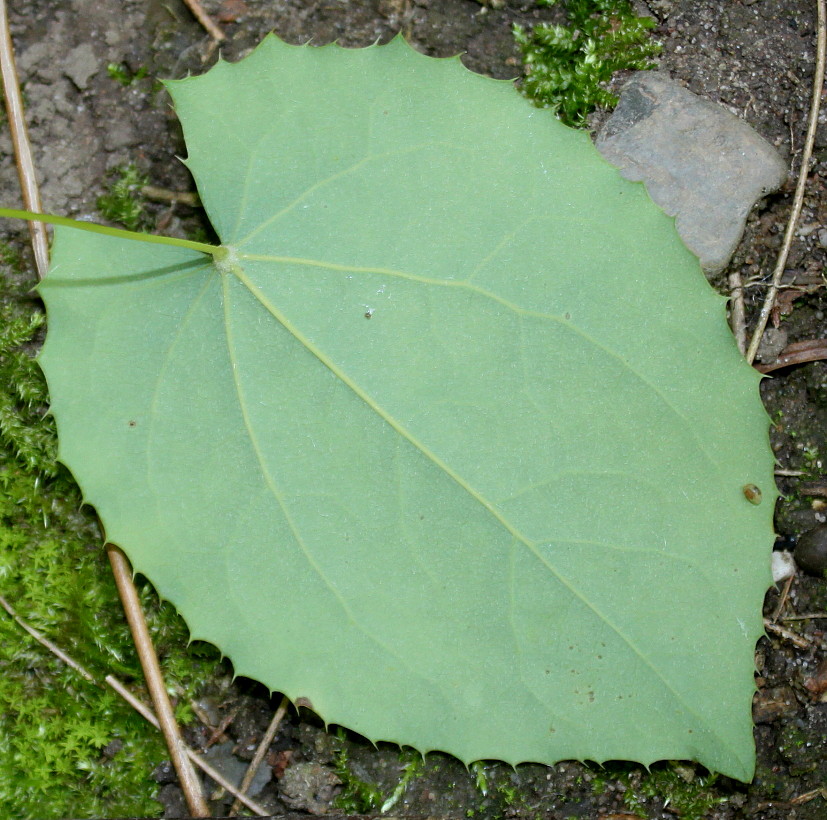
[[308, 787], [700, 163], [222, 759], [81, 63], [773, 341]]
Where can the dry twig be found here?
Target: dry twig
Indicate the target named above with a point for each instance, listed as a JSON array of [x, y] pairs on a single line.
[[156, 194], [206, 21], [22, 148], [120, 566], [155, 683], [737, 312], [199, 761], [41, 639], [219, 730], [811, 350], [261, 751], [814, 489], [798, 199], [137, 704], [808, 796], [782, 599], [787, 634]]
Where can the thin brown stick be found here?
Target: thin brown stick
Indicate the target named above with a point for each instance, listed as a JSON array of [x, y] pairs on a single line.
[[218, 732], [798, 199], [793, 637], [137, 704], [813, 489], [808, 796], [187, 777], [41, 639], [199, 761], [737, 313], [156, 194], [782, 600], [811, 350], [258, 757], [22, 147], [206, 21], [120, 566]]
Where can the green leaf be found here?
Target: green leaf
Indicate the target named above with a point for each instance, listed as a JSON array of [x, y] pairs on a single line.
[[449, 439]]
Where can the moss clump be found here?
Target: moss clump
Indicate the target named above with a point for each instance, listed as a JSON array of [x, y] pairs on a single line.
[[412, 767], [67, 747], [680, 789], [566, 67], [123, 202], [121, 73], [357, 795]]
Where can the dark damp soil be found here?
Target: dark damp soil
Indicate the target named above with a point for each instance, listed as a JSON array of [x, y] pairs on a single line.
[[753, 56]]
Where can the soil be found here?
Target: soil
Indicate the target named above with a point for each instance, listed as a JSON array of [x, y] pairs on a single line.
[[756, 58]]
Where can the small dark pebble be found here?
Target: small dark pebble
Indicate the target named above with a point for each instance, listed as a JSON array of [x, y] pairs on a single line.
[[172, 799], [784, 542], [792, 522], [164, 773], [811, 551]]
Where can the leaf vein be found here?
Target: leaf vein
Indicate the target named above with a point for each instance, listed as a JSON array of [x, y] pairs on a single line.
[[316, 186], [400, 428], [278, 495], [506, 303]]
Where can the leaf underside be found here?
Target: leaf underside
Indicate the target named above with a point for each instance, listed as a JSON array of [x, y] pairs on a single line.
[[453, 441]]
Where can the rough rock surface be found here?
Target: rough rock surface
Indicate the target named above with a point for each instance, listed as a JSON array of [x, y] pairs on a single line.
[[222, 759], [700, 163], [81, 64]]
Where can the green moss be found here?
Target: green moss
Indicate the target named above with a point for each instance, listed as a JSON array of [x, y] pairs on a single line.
[[67, 747], [508, 794], [797, 748], [123, 202], [413, 765], [567, 67], [121, 73], [480, 777], [357, 795], [678, 786], [599, 783], [509, 798]]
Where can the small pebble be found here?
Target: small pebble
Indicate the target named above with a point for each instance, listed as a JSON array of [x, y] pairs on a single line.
[[783, 566], [811, 550]]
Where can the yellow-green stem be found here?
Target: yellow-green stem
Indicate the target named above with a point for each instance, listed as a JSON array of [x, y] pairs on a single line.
[[29, 216]]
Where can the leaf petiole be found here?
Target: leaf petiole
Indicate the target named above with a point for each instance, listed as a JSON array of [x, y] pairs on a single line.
[[30, 216]]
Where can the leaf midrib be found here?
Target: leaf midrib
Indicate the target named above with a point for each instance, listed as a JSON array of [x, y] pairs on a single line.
[[276, 492], [466, 284], [397, 426]]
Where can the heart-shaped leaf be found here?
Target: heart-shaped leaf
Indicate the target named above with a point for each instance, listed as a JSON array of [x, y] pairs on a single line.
[[451, 438]]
